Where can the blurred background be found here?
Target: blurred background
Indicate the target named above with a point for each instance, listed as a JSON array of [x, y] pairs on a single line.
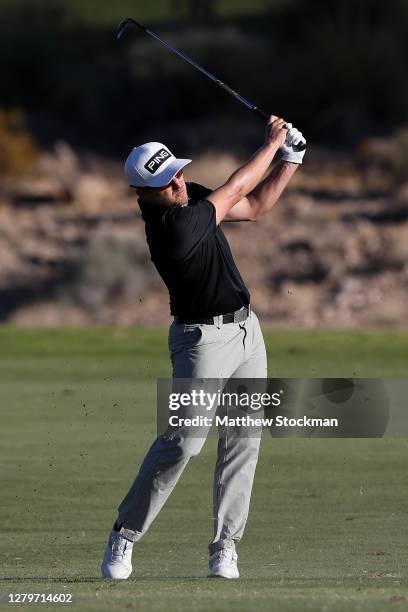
[[74, 101]]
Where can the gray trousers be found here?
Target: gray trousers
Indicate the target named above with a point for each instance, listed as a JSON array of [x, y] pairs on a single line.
[[232, 350]]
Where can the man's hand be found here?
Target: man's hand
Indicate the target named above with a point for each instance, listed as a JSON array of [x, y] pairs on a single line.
[[292, 139], [275, 132]]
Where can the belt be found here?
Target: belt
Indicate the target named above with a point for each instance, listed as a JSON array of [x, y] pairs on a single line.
[[230, 317]]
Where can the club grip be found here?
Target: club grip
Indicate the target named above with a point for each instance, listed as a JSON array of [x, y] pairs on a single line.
[[299, 147]]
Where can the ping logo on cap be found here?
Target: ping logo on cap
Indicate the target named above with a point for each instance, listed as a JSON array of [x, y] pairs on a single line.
[[156, 160]]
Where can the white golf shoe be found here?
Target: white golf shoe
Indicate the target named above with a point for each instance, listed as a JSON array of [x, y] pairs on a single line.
[[223, 564], [117, 561]]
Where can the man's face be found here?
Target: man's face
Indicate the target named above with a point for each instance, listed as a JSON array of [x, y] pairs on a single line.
[[173, 193]]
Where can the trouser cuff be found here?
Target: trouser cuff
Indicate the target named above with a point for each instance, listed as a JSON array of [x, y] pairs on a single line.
[[129, 534], [220, 544]]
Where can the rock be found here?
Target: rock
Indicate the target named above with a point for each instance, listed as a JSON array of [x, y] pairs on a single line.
[[330, 253], [92, 193], [62, 166], [49, 314]]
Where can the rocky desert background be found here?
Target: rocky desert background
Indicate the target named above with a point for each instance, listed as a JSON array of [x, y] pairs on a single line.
[[334, 251]]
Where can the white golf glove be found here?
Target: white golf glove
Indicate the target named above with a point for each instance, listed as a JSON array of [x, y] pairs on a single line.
[[293, 138]]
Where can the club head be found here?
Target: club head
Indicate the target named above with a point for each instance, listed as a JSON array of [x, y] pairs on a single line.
[[124, 24]]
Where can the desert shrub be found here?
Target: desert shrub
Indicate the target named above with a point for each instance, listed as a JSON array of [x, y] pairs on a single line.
[[337, 68], [17, 148], [398, 159]]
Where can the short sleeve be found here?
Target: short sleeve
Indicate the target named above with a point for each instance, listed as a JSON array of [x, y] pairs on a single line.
[[188, 226]]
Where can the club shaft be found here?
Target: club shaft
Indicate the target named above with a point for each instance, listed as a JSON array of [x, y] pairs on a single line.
[[187, 59]]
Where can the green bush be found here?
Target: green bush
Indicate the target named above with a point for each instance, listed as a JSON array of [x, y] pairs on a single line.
[[18, 150]]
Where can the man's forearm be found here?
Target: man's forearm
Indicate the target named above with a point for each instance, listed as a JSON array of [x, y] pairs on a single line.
[[248, 176], [265, 195], [245, 179]]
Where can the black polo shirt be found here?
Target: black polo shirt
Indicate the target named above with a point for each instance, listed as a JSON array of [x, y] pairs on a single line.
[[192, 255]]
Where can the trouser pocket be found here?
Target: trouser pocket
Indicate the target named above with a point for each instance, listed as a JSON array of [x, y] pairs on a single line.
[[182, 337]]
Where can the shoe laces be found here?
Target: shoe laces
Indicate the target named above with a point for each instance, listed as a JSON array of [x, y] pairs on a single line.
[[119, 546], [228, 554]]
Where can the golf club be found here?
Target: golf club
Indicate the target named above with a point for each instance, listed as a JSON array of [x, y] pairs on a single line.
[[130, 21]]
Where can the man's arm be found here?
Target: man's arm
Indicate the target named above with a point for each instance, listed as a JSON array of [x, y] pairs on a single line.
[[264, 196], [245, 179]]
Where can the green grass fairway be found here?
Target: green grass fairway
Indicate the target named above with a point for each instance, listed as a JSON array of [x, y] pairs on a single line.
[[328, 529]]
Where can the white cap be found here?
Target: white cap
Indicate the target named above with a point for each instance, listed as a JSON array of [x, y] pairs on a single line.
[[152, 165]]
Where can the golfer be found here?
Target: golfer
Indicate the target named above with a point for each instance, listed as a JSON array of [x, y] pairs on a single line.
[[215, 333]]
